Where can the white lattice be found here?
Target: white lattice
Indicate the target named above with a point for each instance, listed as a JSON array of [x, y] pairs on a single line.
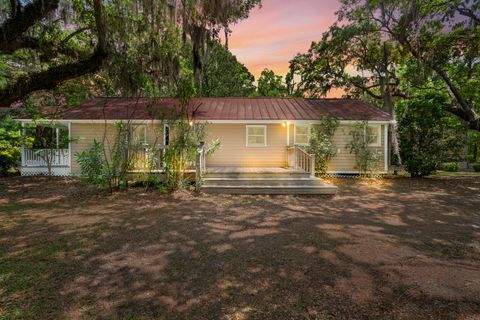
[[36, 171]]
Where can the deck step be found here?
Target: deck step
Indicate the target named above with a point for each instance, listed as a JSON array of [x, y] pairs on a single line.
[[264, 181], [264, 174], [231, 180], [269, 189]]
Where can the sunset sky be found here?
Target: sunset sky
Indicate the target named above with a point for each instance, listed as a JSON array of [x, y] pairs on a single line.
[[275, 33]]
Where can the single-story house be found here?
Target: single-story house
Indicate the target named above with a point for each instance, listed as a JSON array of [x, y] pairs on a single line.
[[253, 132]]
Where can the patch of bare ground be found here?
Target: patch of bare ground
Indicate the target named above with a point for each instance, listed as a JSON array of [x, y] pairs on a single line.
[[379, 249]]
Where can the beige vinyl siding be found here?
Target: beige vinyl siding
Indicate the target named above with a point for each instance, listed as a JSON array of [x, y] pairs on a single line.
[[234, 152], [344, 161], [83, 135]]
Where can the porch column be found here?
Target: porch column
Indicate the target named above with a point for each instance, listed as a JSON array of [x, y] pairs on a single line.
[[386, 148], [288, 134], [70, 147], [23, 144]]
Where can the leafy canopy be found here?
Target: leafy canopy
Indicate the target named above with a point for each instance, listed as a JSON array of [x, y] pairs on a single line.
[[271, 85], [225, 76], [386, 51]]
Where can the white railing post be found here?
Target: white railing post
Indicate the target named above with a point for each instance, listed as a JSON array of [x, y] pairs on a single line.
[[23, 144], [69, 148], [312, 165], [199, 166]]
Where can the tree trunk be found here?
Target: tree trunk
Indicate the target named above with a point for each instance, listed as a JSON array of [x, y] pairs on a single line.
[[226, 37], [387, 95], [475, 152]]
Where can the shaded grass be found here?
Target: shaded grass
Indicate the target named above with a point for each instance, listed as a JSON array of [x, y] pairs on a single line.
[[67, 252]]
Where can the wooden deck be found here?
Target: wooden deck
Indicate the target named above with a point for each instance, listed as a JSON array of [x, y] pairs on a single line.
[[244, 180], [252, 170]]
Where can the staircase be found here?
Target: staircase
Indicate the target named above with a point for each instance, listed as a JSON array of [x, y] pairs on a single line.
[[264, 181]]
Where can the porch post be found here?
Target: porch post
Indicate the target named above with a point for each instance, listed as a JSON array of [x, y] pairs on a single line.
[[23, 144], [288, 134], [312, 165], [69, 148], [57, 138], [386, 148]]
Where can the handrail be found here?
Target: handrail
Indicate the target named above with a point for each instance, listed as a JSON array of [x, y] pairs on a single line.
[[303, 160], [45, 157], [200, 166]]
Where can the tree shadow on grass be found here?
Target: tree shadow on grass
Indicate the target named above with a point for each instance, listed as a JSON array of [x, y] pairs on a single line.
[[137, 255]]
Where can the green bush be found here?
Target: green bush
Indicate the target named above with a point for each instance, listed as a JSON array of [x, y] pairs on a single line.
[[476, 167], [321, 144], [10, 143], [428, 136], [92, 164], [109, 172], [450, 166], [367, 158]]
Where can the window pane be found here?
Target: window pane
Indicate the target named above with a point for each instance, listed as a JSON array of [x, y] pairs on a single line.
[[256, 131], [256, 136], [301, 134], [372, 135], [138, 134], [302, 139], [256, 140], [302, 130]]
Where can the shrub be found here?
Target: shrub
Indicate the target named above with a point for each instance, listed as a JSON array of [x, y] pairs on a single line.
[[450, 166], [428, 136], [92, 164], [10, 143], [367, 158], [109, 172], [182, 152], [321, 144], [476, 167]]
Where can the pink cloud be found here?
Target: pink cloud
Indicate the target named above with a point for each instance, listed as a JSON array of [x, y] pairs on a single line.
[[274, 34]]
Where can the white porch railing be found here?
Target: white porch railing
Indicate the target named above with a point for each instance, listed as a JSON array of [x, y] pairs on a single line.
[[200, 166], [42, 157], [148, 158], [298, 158]]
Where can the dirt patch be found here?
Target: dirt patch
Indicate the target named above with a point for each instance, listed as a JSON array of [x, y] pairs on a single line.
[[380, 249]]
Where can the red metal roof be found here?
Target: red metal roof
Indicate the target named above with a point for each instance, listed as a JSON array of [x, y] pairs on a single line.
[[226, 109]]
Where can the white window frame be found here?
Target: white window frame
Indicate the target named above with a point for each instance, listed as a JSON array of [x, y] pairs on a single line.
[[255, 145], [309, 132], [379, 135]]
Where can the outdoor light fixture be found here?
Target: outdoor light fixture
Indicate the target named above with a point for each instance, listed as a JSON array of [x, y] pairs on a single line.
[[284, 124], [191, 123]]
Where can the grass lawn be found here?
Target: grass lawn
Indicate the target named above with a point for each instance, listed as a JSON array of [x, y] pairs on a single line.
[[380, 249]]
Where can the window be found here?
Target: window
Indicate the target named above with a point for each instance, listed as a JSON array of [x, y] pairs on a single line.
[[373, 136], [256, 136], [138, 134], [166, 135], [302, 134]]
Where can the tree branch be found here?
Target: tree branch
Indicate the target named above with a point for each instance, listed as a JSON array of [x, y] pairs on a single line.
[[473, 125], [20, 43], [49, 79], [467, 12], [18, 24]]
